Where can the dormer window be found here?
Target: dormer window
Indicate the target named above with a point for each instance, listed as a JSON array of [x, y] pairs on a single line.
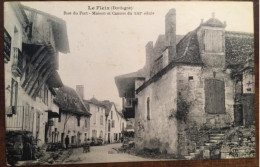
[[213, 41]]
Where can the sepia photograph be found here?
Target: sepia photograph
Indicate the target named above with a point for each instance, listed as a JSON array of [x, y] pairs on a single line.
[[106, 82]]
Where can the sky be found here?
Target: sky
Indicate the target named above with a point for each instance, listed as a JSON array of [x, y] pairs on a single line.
[[105, 46]]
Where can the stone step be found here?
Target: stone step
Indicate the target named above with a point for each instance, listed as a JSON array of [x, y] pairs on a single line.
[[217, 134], [216, 137], [188, 157], [197, 151], [214, 141], [209, 144]]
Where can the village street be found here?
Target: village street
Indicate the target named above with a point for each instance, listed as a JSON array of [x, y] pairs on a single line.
[[102, 154], [164, 93]]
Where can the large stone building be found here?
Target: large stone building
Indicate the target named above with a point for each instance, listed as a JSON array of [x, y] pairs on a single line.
[[98, 118], [203, 81], [73, 119], [115, 123], [32, 42]]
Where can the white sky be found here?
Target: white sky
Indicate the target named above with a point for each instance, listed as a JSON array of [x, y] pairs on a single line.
[[102, 47]]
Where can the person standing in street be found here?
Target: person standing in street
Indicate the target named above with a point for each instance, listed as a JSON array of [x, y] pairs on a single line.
[[67, 141]]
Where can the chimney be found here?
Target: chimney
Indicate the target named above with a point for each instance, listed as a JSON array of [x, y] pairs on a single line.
[[170, 33], [149, 57], [80, 90]]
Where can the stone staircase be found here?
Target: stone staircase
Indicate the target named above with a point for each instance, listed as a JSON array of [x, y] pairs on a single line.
[[214, 138]]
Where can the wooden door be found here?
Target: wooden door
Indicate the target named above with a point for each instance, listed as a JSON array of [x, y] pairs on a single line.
[[214, 96]]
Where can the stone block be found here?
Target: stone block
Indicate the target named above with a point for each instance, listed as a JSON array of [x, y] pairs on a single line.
[[225, 149], [223, 155], [252, 138], [206, 154]]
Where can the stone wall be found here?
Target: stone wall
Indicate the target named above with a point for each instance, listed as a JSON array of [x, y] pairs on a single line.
[[191, 82], [161, 130], [98, 113], [116, 131], [166, 126], [68, 125]]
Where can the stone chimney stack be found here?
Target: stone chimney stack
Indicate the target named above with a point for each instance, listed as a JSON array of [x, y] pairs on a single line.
[[170, 33], [149, 57], [80, 90]]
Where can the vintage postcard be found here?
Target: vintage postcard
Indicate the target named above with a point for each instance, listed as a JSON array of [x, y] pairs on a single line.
[[102, 82]]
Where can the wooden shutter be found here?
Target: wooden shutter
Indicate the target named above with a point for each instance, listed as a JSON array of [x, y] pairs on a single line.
[[26, 117], [214, 96]]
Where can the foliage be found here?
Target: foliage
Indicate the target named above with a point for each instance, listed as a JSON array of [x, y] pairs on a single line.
[[183, 107], [128, 134]]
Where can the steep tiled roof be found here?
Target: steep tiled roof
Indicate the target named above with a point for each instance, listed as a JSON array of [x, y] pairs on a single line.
[[68, 100], [188, 49], [126, 83], [54, 81], [239, 46], [160, 46], [58, 26], [93, 101], [108, 105]]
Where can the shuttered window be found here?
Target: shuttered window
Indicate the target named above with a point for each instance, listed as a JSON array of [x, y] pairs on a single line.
[[26, 117], [213, 41], [148, 108], [214, 96], [14, 93]]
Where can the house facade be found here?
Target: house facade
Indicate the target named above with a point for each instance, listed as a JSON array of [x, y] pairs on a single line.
[[31, 48], [73, 119], [97, 120], [116, 123], [191, 85]]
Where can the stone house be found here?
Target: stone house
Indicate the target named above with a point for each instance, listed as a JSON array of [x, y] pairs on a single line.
[[32, 42], [203, 81], [115, 121], [73, 119], [97, 120]]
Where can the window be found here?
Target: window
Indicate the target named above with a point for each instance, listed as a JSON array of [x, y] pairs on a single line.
[[190, 78], [115, 136], [94, 134], [95, 117], [86, 123], [148, 108], [101, 134], [38, 118], [59, 115], [129, 102], [109, 125], [111, 114], [14, 92], [45, 97], [113, 123], [123, 127], [7, 46], [78, 120], [101, 120]]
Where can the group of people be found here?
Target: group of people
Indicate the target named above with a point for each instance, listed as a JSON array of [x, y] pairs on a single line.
[[67, 141]]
